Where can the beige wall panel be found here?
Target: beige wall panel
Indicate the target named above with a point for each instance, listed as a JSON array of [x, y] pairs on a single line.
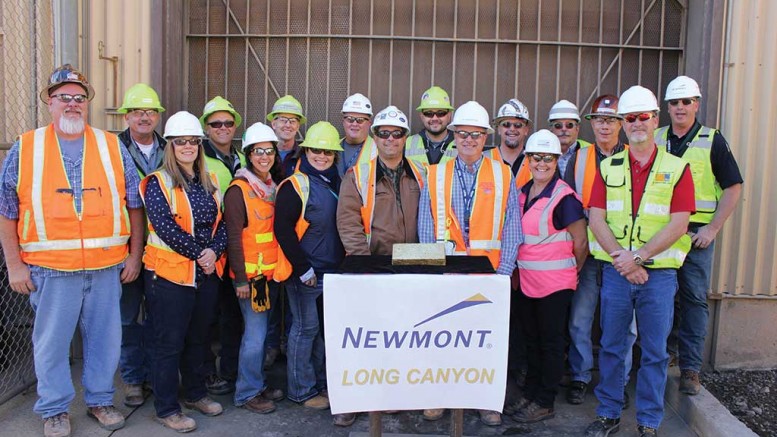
[[745, 337], [746, 252]]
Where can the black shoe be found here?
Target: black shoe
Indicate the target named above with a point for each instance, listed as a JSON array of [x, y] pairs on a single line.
[[602, 427], [576, 392], [218, 386], [626, 400], [646, 431]]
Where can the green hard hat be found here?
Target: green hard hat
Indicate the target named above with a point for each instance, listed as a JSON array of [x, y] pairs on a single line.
[[435, 98], [322, 135], [217, 104], [287, 105], [140, 96]]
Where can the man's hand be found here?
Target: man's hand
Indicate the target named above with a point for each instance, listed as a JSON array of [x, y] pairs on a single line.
[[19, 277], [131, 269], [703, 237], [623, 261], [638, 277]]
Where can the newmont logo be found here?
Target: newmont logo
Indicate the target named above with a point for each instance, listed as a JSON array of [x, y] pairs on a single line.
[[477, 299]]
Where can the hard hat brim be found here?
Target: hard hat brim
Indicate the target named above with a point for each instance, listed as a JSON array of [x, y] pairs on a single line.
[[46, 92]]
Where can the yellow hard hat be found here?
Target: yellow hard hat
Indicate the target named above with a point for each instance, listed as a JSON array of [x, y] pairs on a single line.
[[217, 104], [322, 135], [287, 105], [435, 98], [140, 96]]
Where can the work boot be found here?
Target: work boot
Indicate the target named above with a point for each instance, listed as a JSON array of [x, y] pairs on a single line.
[[317, 402], [259, 405], [133, 395], [57, 426], [646, 431], [109, 417], [344, 419], [532, 413], [270, 356], [689, 382], [178, 422], [206, 406], [602, 427], [490, 418], [576, 392], [516, 406], [434, 414], [216, 385], [272, 394]]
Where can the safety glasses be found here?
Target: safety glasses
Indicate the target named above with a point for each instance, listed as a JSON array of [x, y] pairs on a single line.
[[260, 152], [286, 120], [140, 113], [220, 124], [462, 134], [432, 114], [547, 159], [183, 141], [67, 98], [686, 102], [568, 125], [645, 116], [385, 134], [508, 125], [357, 120], [320, 151]]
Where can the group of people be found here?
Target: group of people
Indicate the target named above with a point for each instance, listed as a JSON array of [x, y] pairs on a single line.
[[146, 242]]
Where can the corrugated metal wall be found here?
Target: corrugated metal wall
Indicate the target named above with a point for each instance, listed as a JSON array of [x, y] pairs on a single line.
[[746, 255]]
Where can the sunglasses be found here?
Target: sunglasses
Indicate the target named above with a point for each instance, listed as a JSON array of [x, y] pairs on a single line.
[[547, 159], [259, 152], [686, 102], [220, 124], [462, 134], [508, 125], [144, 112], [287, 120], [439, 114], [604, 120], [385, 134], [320, 151], [67, 98], [568, 125], [645, 116], [184, 141], [357, 120]]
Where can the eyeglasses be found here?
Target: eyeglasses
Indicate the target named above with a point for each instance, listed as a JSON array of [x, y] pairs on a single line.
[[143, 112], [287, 120], [183, 141], [357, 120], [686, 102], [385, 134], [439, 114], [324, 151], [605, 120], [220, 124], [66, 98], [568, 125], [462, 134], [508, 125], [645, 116], [547, 159], [259, 152]]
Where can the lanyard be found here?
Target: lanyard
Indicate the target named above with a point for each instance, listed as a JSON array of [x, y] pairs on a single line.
[[468, 193]]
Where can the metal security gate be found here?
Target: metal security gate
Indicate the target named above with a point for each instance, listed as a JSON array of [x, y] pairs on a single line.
[[252, 52]]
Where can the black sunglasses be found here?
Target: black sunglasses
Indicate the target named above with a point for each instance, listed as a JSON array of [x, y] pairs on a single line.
[[686, 102], [508, 125], [183, 141], [464, 134], [439, 114], [568, 125], [320, 151], [547, 159], [219, 124], [385, 134], [357, 120]]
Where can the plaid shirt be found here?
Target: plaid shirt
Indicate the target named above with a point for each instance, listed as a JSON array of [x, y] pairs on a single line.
[[512, 233]]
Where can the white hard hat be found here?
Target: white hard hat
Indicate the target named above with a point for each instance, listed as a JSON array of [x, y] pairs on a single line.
[[183, 124], [471, 114], [637, 99], [513, 108], [258, 133], [357, 103], [543, 141], [682, 87], [390, 116], [563, 110]]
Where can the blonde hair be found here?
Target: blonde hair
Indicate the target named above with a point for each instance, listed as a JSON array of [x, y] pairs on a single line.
[[171, 166]]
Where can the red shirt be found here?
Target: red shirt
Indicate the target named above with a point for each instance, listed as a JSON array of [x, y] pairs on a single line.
[[683, 196]]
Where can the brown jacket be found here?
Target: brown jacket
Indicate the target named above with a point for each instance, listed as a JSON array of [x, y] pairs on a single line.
[[390, 223]]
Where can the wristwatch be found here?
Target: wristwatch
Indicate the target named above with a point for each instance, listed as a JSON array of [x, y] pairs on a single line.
[[638, 259]]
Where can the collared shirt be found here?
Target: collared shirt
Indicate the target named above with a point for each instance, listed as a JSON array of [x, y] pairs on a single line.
[[435, 149], [569, 173], [568, 210], [395, 176], [564, 158], [144, 163], [512, 233], [231, 161]]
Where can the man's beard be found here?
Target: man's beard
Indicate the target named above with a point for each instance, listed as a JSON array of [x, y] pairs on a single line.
[[512, 144], [71, 126], [638, 137]]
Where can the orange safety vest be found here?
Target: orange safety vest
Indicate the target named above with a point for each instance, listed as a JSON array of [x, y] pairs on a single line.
[[51, 233], [260, 249], [585, 172], [492, 188], [366, 175], [524, 174], [158, 256], [301, 184]]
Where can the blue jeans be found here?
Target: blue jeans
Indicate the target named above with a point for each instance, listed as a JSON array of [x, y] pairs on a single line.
[[134, 361], [306, 371], [654, 305], [279, 318], [89, 300], [581, 321], [250, 368], [694, 282], [182, 316]]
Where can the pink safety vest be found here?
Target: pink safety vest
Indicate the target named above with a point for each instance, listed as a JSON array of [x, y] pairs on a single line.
[[546, 260]]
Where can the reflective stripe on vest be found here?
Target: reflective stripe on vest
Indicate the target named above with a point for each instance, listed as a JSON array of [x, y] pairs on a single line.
[[260, 250], [299, 181], [523, 175]]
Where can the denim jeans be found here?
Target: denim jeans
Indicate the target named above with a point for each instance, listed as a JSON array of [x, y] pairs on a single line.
[[230, 329], [581, 321], [89, 300], [250, 369], [134, 363], [694, 281], [306, 371], [654, 305], [182, 316]]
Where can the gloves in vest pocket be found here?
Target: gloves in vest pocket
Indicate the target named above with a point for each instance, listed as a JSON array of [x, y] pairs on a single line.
[[260, 294]]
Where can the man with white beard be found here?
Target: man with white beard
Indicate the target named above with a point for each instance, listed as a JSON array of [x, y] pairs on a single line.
[[70, 239]]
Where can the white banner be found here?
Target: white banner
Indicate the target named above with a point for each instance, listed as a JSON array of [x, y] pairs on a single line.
[[411, 342]]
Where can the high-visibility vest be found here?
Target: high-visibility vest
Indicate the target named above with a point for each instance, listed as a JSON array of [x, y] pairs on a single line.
[[368, 151], [523, 175], [546, 259], [301, 184], [51, 233], [706, 187], [223, 174], [585, 172], [260, 249], [416, 151], [492, 188], [365, 175], [161, 258], [653, 215]]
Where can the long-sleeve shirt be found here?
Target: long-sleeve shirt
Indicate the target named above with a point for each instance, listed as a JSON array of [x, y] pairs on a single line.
[[512, 233]]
